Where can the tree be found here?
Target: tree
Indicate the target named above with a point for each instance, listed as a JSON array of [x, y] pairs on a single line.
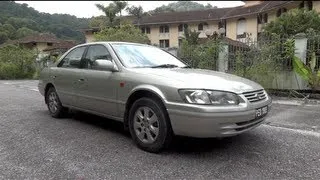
[[209, 6], [181, 6], [99, 21], [120, 6], [22, 32], [293, 22], [110, 11], [136, 11], [125, 32], [9, 29], [162, 9], [14, 16], [3, 37]]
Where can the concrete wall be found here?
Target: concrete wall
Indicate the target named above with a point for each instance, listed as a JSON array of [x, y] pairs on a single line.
[[231, 30], [89, 37], [174, 35], [41, 46], [316, 5], [154, 34]]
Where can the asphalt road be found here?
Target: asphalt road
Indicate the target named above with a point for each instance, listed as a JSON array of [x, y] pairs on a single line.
[[35, 146]]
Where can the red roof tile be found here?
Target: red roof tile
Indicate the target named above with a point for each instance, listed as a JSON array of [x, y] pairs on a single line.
[[42, 37], [210, 14], [61, 45]]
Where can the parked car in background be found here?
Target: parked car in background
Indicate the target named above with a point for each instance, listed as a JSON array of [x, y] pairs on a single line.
[[152, 92]]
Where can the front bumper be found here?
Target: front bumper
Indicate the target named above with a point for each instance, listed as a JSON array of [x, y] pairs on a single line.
[[203, 121]]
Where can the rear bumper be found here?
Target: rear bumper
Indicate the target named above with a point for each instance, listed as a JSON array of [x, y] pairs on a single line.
[[214, 123]]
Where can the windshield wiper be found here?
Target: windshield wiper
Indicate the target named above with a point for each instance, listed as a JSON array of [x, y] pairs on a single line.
[[165, 66]]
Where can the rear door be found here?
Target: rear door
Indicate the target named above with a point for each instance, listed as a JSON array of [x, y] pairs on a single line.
[[66, 76]]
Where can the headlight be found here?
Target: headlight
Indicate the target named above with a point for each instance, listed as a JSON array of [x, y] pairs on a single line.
[[209, 97]]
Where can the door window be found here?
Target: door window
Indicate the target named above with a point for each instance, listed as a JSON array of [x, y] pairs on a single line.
[[96, 52], [72, 60]]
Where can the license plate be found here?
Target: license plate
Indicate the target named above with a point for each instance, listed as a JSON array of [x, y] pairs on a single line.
[[260, 112]]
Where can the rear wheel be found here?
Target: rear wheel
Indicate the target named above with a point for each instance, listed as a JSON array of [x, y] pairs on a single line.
[[54, 104], [149, 125]]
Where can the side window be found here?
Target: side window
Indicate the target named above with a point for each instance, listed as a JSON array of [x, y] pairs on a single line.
[[72, 60], [96, 52]]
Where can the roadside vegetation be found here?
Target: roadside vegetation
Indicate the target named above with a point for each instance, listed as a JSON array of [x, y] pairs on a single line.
[[17, 62]]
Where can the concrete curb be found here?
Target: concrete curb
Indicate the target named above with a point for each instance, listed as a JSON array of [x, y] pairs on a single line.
[[294, 103]]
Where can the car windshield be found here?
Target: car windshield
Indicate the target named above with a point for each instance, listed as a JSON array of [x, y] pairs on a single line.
[[139, 56]]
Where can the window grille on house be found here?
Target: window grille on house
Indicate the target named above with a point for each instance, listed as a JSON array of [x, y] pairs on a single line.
[[164, 29]]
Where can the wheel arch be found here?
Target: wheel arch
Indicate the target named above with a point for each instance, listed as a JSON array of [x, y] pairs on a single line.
[[140, 92]]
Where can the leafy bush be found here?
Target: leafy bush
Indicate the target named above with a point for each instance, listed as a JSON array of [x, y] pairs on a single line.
[[200, 55], [293, 22], [126, 32], [263, 63], [17, 62], [308, 73]]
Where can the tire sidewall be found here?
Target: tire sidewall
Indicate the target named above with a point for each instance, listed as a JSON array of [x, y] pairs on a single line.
[[164, 135], [59, 111]]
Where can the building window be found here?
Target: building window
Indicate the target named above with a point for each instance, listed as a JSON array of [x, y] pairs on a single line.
[[148, 30], [164, 29], [241, 28], [222, 24], [281, 11], [200, 27], [164, 43], [145, 30], [182, 27], [262, 18], [49, 44], [306, 4]]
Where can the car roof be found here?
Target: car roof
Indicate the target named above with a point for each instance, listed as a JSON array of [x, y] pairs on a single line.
[[111, 42]]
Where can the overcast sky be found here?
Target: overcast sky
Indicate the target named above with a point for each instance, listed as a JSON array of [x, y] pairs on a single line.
[[87, 8]]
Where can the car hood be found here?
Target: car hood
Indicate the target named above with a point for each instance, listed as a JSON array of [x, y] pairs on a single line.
[[201, 79]]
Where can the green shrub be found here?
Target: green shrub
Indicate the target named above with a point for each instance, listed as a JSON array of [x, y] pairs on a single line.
[[204, 55], [126, 32], [17, 62]]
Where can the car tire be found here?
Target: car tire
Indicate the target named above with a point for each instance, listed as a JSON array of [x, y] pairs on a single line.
[[155, 121], [54, 104]]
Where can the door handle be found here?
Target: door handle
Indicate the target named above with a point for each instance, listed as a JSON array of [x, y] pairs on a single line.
[[53, 77], [81, 80]]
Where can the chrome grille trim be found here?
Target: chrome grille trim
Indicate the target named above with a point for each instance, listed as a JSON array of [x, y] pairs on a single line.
[[255, 96]]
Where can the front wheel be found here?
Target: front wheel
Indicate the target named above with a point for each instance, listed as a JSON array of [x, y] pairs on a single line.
[[149, 125], [54, 105]]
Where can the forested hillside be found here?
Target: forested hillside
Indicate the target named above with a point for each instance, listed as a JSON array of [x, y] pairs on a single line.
[[181, 6], [19, 20]]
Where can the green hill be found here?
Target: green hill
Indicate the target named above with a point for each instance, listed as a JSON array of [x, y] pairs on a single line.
[[181, 6], [19, 20]]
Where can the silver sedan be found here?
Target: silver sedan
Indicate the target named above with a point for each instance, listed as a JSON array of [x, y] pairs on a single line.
[[152, 92]]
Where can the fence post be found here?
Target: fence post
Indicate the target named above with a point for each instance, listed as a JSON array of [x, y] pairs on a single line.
[[301, 52], [223, 58]]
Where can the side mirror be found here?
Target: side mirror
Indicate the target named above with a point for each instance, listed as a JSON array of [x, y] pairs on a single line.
[[103, 64]]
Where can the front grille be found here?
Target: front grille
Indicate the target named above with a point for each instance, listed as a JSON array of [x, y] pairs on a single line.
[[255, 96]]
